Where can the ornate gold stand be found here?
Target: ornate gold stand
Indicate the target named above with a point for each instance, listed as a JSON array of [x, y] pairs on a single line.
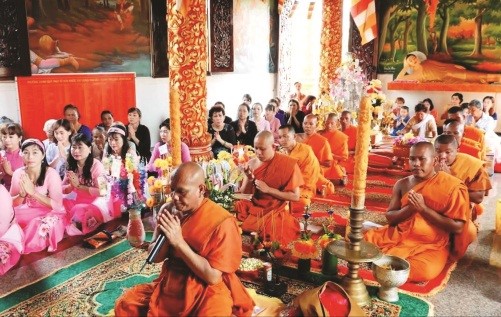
[[357, 251]]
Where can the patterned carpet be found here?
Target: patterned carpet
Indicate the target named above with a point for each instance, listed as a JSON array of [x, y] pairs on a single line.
[[90, 287]]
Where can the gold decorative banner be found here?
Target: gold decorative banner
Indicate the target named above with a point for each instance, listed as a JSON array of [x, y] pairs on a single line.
[[330, 41], [187, 49]]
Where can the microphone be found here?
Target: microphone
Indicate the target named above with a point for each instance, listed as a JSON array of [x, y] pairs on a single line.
[[161, 239]]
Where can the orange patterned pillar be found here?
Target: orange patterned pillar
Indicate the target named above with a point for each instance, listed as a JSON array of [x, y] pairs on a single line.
[[330, 41], [187, 53]]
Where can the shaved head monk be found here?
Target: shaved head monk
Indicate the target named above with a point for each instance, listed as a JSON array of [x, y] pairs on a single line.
[[203, 250], [470, 131], [306, 160], [426, 209], [273, 179], [318, 143], [465, 145], [338, 142], [465, 167]]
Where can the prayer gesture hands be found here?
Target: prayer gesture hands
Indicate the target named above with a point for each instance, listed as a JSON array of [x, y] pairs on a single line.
[[6, 167], [171, 227], [262, 186], [26, 186], [442, 166], [416, 201], [73, 178], [218, 138]]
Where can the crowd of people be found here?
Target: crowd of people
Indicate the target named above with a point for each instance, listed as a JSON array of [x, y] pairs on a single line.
[[54, 187]]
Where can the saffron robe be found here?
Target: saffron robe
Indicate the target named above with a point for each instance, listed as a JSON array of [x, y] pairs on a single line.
[[310, 170], [212, 233], [470, 147], [473, 174], [351, 132], [425, 246], [320, 146], [338, 142], [264, 213]]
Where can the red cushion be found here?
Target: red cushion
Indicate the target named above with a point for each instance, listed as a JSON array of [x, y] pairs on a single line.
[[335, 302], [497, 168]]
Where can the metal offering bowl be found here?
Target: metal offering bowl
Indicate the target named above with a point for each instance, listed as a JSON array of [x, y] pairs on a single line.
[[391, 272]]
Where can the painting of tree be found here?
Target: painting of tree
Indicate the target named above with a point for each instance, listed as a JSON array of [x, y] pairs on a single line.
[[461, 38]]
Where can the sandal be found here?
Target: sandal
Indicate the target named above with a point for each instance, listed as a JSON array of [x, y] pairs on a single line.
[[104, 237]]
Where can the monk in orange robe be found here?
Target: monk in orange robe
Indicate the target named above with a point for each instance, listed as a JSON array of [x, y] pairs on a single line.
[[466, 146], [201, 253], [465, 167], [273, 179], [425, 209], [472, 135], [338, 142], [318, 143], [351, 131], [307, 162]]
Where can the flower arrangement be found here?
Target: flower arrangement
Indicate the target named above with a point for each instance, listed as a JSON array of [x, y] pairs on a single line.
[[241, 154], [305, 247], [329, 234], [125, 178], [157, 191], [407, 140], [164, 165], [348, 84], [374, 89], [221, 178]]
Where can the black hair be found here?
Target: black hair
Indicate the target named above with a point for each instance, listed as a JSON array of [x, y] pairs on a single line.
[[215, 109], [43, 167], [430, 102], [72, 163], [420, 107]]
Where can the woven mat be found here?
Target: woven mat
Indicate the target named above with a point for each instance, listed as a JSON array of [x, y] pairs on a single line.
[[91, 286]]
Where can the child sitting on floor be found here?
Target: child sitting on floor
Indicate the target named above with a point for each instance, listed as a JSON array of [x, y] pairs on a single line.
[[401, 120]]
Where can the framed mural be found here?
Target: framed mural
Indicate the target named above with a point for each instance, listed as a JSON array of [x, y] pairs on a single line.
[[221, 35], [159, 58], [87, 36], [14, 52], [440, 41]]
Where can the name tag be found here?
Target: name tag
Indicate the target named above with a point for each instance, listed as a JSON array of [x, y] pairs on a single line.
[[163, 149]]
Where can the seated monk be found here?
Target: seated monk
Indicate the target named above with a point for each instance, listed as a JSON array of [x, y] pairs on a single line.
[[307, 162], [338, 142], [351, 131], [425, 209], [471, 133], [465, 167], [319, 144], [273, 179], [466, 146], [202, 251]]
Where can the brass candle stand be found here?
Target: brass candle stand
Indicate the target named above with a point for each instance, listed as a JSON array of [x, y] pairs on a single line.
[[357, 251]]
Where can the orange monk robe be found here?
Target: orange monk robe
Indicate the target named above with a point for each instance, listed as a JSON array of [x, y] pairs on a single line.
[[320, 146], [338, 142], [474, 134], [310, 169], [266, 214], [425, 246], [470, 147], [473, 174], [213, 233], [351, 132]]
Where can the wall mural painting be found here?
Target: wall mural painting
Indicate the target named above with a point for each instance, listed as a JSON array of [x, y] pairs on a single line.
[[14, 58], [221, 35], [84, 36], [442, 41]]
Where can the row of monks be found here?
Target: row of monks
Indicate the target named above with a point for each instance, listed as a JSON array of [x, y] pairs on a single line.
[[430, 222]]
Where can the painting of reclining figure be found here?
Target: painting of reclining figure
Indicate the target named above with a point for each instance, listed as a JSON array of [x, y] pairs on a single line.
[[447, 41], [68, 36]]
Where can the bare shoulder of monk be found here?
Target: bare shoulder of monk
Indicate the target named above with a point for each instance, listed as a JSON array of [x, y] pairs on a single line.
[[404, 185]]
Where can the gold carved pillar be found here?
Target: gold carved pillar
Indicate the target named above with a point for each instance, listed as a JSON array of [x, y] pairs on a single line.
[[330, 42], [187, 53]]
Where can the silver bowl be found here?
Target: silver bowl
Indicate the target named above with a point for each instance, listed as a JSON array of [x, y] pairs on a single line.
[[391, 272]]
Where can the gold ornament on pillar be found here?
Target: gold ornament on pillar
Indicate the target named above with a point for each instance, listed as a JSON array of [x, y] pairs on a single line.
[[330, 41], [187, 52]]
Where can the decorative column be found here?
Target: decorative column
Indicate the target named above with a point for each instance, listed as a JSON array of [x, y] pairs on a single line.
[[187, 53], [330, 41], [357, 251]]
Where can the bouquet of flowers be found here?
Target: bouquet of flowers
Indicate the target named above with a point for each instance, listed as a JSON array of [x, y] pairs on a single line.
[[125, 178], [305, 247], [222, 176], [163, 165], [407, 140]]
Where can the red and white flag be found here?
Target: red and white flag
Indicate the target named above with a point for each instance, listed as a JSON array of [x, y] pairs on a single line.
[[364, 14]]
